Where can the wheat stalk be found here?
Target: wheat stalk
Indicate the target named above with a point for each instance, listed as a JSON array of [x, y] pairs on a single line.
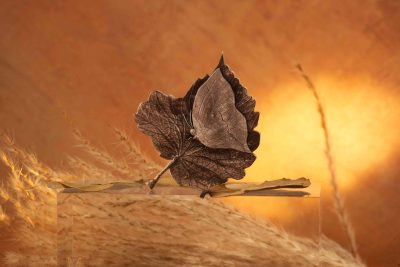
[[338, 199], [138, 168], [30, 206], [101, 156], [87, 171], [133, 152]]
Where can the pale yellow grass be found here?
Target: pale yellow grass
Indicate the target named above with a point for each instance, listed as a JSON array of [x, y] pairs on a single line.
[[147, 231]]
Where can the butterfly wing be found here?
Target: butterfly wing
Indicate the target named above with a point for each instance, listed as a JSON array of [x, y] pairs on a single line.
[[217, 121]]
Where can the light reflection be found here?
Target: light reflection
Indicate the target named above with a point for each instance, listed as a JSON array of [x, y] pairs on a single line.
[[362, 120]]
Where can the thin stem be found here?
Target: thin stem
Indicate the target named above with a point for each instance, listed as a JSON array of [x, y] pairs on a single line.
[[339, 204], [154, 181]]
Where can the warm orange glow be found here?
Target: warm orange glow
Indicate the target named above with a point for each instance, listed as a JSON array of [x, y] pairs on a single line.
[[361, 115], [362, 122]]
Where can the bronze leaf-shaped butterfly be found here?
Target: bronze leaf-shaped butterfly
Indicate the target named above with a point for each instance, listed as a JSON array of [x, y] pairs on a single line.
[[208, 134]]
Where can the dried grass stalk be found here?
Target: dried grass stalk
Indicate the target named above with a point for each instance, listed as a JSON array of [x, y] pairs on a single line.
[[101, 156], [134, 153], [338, 199], [31, 206]]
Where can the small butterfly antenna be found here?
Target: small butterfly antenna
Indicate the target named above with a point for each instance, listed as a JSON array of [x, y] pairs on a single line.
[[184, 117], [191, 119]]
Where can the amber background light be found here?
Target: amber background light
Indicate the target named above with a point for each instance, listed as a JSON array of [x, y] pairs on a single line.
[[96, 61]]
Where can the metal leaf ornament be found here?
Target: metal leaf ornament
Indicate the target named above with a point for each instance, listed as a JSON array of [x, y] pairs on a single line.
[[208, 135]]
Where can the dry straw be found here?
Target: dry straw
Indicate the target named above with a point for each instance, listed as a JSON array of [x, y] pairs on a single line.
[[31, 207], [338, 199]]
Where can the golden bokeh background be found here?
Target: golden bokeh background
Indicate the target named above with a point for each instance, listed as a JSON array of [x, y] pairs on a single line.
[[98, 60]]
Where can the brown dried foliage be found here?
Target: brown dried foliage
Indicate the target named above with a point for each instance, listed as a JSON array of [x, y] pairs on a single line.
[[165, 119]]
